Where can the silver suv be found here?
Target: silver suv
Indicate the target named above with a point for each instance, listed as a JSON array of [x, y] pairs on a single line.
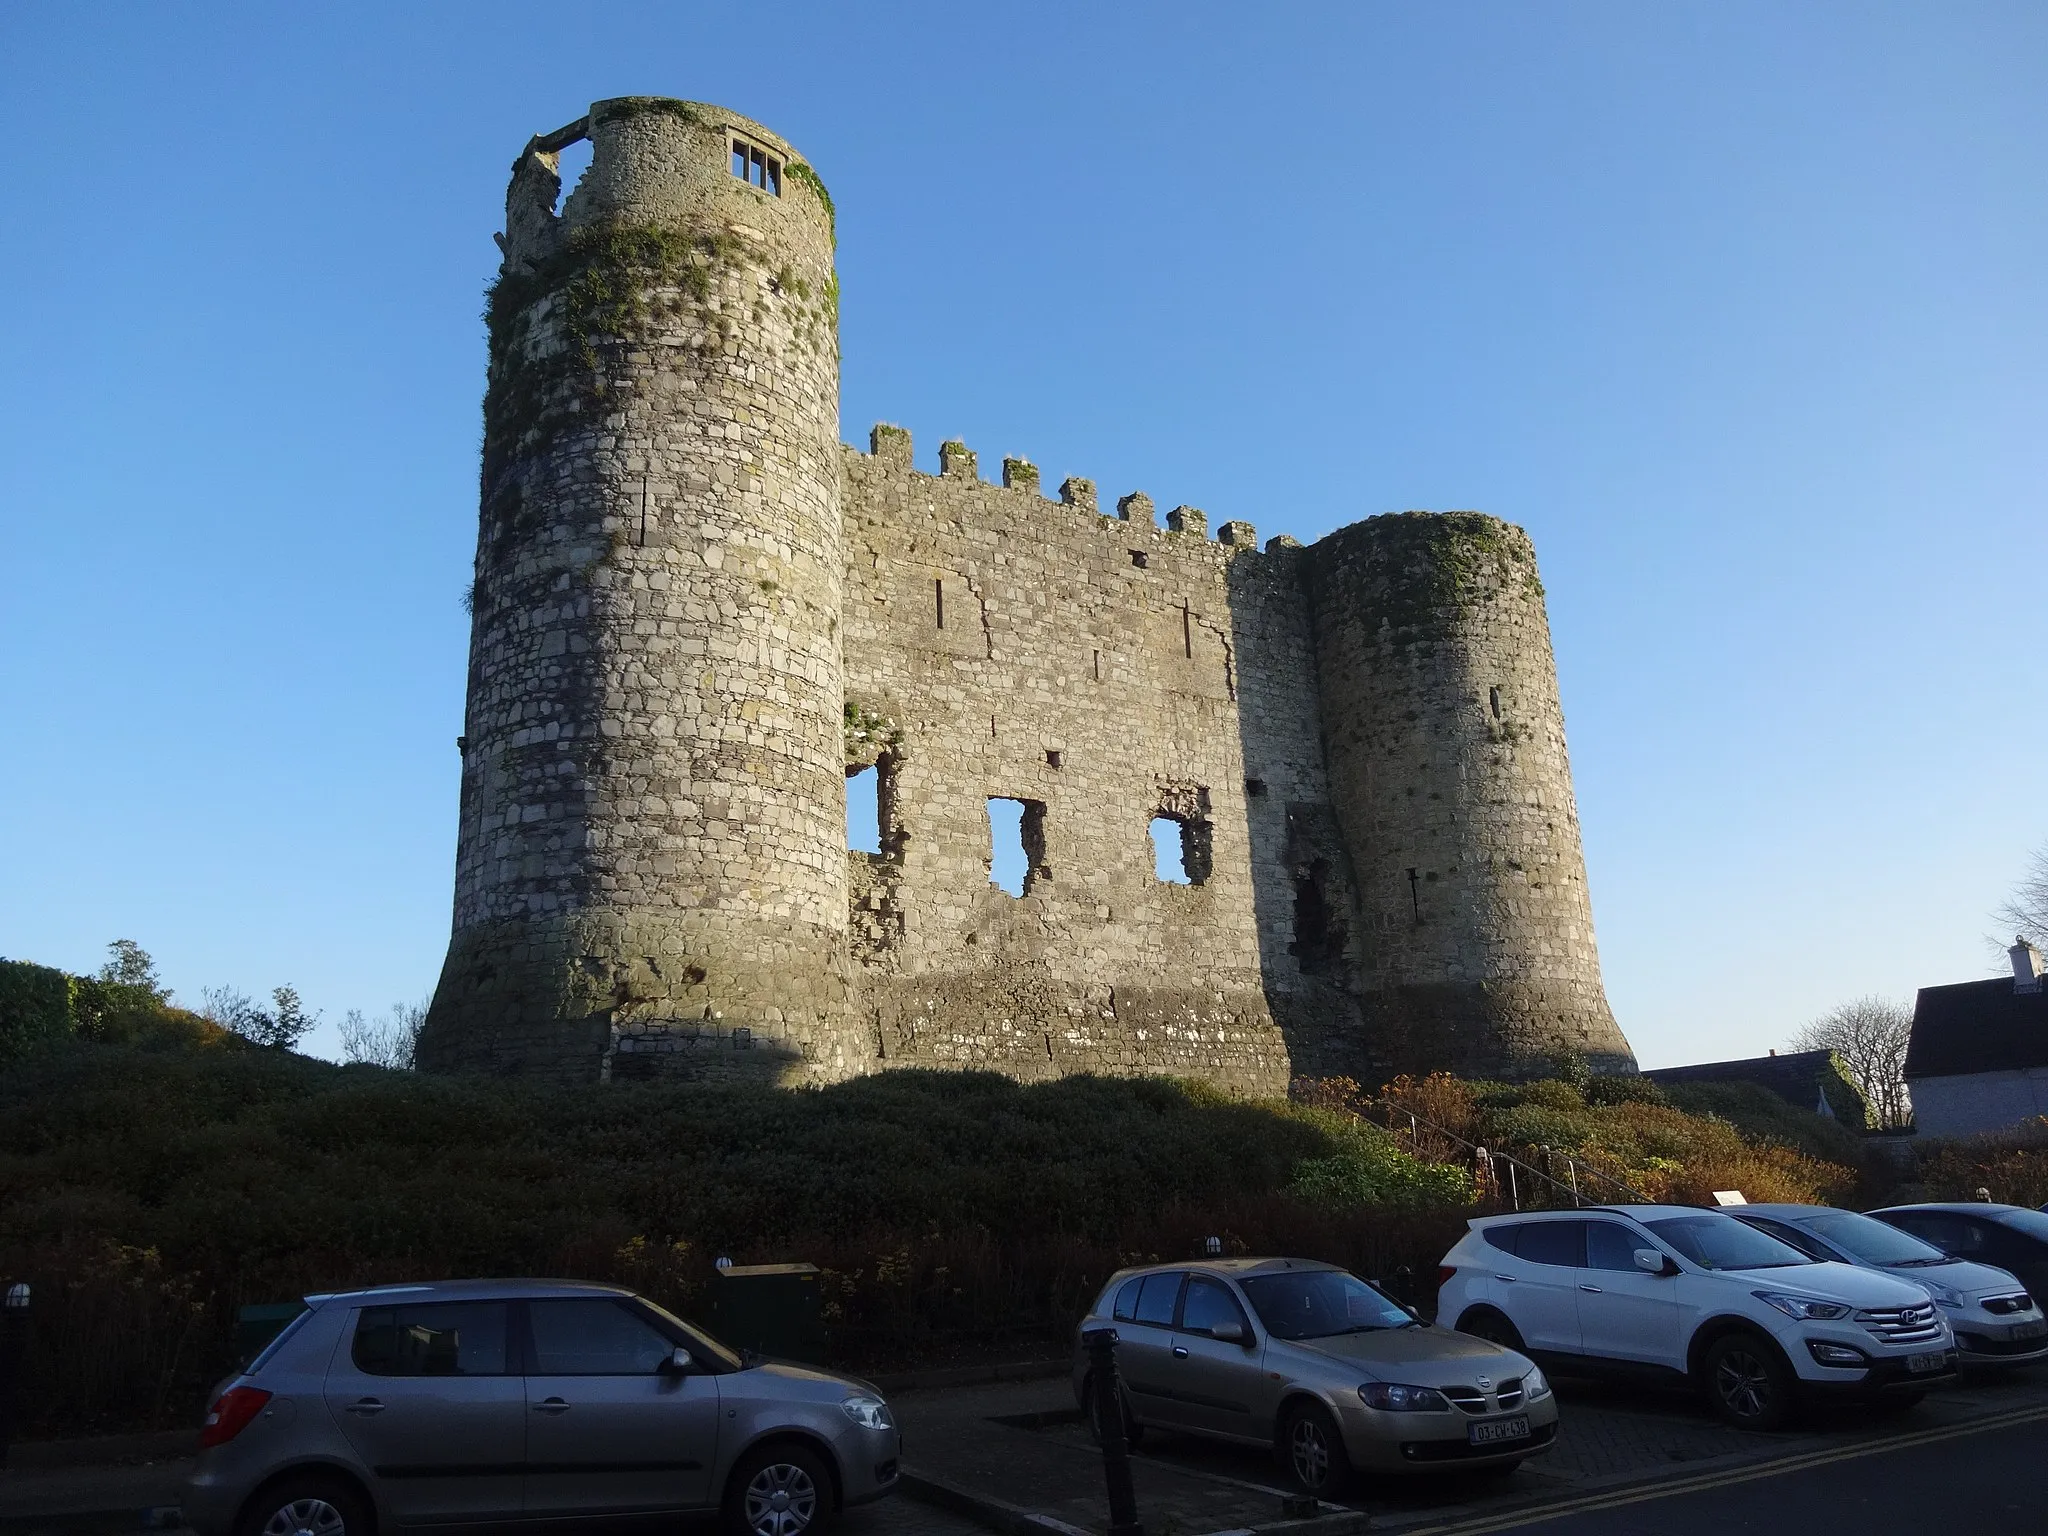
[[525, 1400]]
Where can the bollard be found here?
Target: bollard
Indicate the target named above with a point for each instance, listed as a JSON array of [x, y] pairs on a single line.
[[13, 1351], [1109, 1423]]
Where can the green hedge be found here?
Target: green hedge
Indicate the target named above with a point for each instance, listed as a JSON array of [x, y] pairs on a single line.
[[35, 1006]]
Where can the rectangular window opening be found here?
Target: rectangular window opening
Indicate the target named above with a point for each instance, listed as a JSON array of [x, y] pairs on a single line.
[[864, 809], [756, 167], [1187, 632], [1180, 850], [1493, 699], [939, 600], [1016, 830]]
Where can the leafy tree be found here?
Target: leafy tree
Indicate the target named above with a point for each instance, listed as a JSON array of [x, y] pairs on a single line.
[[281, 1026], [128, 965], [1870, 1036]]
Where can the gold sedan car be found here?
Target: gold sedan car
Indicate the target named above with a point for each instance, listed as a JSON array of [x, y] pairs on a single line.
[[1311, 1361]]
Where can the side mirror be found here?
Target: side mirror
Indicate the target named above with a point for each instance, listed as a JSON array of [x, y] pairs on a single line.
[[1230, 1333], [1655, 1263], [679, 1363]]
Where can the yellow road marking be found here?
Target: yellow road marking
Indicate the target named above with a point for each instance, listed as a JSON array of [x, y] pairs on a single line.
[[1481, 1524]]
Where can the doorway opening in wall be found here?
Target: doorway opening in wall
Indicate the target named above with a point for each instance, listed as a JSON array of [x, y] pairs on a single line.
[[1180, 850], [1016, 844], [573, 161], [1319, 934], [864, 810]]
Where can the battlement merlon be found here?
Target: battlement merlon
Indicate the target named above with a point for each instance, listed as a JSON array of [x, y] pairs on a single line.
[[892, 445]]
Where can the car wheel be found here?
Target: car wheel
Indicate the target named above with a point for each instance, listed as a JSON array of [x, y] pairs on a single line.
[[1314, 1450], [779, 1490], [1485, 1323], [1134, 1432], [1748, 1383], [307, 1504]]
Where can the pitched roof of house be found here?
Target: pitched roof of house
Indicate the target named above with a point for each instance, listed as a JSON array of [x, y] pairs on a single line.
[[1796, 1076], [1977, 1026]]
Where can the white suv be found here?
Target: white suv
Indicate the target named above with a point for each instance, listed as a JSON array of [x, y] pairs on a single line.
[[1678, 1292]]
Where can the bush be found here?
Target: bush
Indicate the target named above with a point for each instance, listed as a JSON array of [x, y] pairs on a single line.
[[35, 1006], [147, 1194], [1762, 1115]]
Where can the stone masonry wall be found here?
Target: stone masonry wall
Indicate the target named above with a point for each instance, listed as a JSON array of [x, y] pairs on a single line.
[[1449, 772], [651, 871], [695, 612], [1085, 663]]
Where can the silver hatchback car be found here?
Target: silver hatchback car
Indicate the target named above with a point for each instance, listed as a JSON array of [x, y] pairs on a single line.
[[506, 1401], [1310, 1360]]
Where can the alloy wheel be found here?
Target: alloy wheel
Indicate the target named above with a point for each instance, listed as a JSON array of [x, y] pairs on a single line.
[[781, 1500], [1310, 1453], [1744, 1383], [306, 1517]]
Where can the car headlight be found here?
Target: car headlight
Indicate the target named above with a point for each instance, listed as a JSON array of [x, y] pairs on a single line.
[[1804, 1308], [868, 1412], [1393, 1397], [1535, 1384], [1948, 1296]]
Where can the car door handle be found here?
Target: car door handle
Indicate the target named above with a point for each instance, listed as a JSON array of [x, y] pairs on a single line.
[[1591, 1289], [1180, 1351], [1509, 1278], [551, 1405], [366, 1406]]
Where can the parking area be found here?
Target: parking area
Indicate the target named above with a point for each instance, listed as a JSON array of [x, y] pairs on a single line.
[[1015, 1457], [1023, 1451]]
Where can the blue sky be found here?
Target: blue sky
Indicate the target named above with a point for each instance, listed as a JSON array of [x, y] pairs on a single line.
[[1738, 308]]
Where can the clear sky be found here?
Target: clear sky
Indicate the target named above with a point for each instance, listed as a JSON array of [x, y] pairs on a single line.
[[1738, 308]]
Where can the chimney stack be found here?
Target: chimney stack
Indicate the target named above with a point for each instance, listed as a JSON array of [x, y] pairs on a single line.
[[2026, 966]]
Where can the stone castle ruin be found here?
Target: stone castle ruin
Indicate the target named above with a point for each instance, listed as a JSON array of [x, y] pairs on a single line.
[[696, 613]]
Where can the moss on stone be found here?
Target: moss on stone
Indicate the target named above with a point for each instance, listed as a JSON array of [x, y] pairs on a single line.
[[1436, 565], [797, 171], [624, 109], [599, 284]]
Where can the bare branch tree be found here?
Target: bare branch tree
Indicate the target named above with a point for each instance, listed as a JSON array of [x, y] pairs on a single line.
[[1870, 1036], [2025, 911], [386, 1042]]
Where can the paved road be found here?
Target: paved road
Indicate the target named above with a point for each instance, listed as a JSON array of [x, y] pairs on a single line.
[[1952, 1483]]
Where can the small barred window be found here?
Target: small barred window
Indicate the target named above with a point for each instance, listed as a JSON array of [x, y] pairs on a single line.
[[756, 167]]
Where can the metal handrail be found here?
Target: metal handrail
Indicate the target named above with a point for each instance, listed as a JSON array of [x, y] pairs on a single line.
[[1573, 1167]]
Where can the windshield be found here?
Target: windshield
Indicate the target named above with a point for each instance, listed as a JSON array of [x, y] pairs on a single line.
[[1714, 1241], [701, 1343], [1321, 1303], [1871, 1241]]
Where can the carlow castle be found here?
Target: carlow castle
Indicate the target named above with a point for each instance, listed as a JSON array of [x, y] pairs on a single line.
[[697, 614]]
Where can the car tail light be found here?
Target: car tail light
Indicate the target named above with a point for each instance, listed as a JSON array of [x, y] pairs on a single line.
[[230, 1414], [1444, 1274]]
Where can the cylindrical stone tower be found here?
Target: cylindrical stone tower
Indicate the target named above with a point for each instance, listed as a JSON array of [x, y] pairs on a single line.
[[1445, 744], [651, 870]]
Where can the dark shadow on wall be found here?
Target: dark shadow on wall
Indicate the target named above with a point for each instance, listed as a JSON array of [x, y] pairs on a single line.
[[1303, 890]]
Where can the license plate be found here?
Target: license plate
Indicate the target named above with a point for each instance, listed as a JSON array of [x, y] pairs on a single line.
[[1493, 1431], [1920, 1365], [2030, 1330]]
